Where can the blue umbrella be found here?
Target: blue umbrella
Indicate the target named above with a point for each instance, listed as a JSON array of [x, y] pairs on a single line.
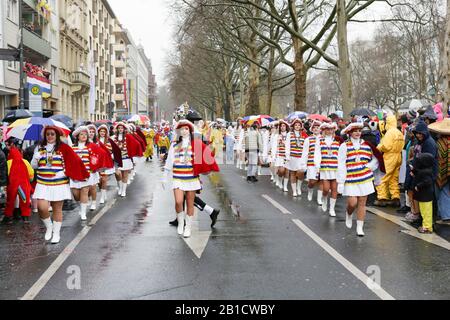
[[297, 114], [64, 119]]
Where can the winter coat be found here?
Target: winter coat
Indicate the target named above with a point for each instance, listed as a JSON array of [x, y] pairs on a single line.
[[3, 170], [423, 185], [427, 145]]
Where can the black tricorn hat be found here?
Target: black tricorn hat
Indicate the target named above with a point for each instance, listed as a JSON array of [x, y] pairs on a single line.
[[193, 116]]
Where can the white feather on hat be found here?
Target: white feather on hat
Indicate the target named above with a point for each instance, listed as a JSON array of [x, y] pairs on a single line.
[[80, 130], [103, 127], [293, 122], [316, 123], [183, 123], [92, 126], [327, 125], [351, 126], [121, 123], [284, 122]]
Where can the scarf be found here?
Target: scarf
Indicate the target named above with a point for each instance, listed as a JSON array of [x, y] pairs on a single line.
[[443, 161]]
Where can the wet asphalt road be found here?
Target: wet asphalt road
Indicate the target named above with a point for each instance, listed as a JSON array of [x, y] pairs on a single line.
[[255, 251]]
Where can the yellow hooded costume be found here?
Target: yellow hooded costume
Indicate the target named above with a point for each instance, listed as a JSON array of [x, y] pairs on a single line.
[[391, 145]]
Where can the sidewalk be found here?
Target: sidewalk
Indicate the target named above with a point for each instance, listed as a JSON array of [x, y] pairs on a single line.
[[441, 232]]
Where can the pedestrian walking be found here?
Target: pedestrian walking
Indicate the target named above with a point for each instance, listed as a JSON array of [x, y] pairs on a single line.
[[327, 158], [282, 155], [253, 145], [187, 159], [91, 156], [55, 163], [294, 143], [313, 169], [356, 164]]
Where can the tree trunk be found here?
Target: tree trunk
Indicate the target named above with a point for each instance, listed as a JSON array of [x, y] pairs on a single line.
[[447, 62], [253, 107], [270, 81], [300, 71], [345, 72]]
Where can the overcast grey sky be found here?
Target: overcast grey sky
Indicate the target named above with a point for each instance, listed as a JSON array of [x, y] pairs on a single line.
[[150, 24]]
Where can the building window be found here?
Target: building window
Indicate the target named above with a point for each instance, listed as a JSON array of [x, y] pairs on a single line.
[[12, 10], [54, 75], [13, 65]]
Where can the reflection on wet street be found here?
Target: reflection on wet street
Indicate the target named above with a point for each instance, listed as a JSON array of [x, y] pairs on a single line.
[[254, 246]]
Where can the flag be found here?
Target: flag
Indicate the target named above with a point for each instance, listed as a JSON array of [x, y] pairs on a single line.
[[43, 83]]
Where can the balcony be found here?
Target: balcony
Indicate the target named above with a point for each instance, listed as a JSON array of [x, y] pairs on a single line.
[[119, 97], [80, 82], [119, 80], [119, 48], [119, 64], [36, 44]]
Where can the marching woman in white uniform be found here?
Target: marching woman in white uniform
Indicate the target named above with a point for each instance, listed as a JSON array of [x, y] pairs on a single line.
[[308, 156], [122, 172], [294, 143], [355, 175], [96, 175], [282, 156], [327, 159], [273, 150], [91, 156], [187, 159], [106, 143], [55, 162], [264, 153]]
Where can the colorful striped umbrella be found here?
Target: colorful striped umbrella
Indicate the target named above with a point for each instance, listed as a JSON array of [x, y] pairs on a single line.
[[139, 119], [31, 128]]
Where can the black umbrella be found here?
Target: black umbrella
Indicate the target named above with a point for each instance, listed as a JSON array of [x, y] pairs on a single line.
[[64, 119], [363, 112], [16, 115]]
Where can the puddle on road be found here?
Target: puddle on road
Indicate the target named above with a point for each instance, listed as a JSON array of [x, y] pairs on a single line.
[[230, 206]]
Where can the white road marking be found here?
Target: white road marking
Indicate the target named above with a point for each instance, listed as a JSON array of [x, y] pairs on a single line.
[[276, 204], [199, 239], [54, 267], [378, 290], [410, 230]]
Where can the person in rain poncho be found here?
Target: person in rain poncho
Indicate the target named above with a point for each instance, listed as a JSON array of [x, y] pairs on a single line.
[[392, 146]]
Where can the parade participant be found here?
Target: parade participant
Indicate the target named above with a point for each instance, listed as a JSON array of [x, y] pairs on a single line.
[[356, 164], [217, 142], [237, 143], [308, 156], [392, 146], [141, 145], [294, 143], [282, 156], [272, 150], [188, 158], [163, 146], [20, 175], [264, 153], [149, 134], [230, 142], [91, 155], [128, 149], [55, 162], [116, 157], [94, 175], [327, 160], [252, 142]]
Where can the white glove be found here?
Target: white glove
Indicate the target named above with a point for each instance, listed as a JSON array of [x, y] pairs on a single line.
[[340, 189], [164, 177]]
